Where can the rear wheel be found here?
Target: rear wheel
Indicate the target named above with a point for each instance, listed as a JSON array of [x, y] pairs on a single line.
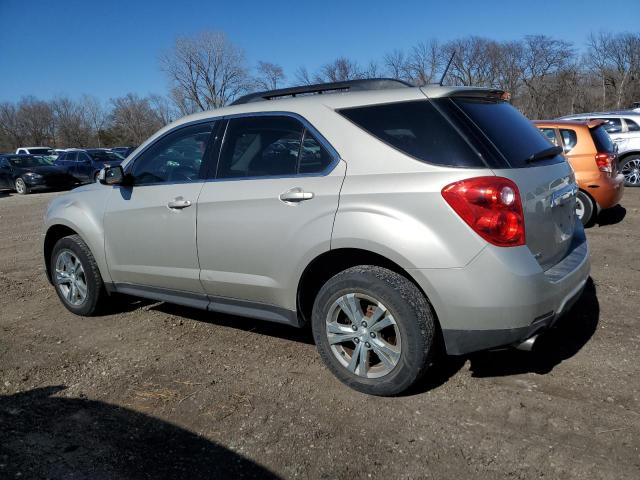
[[630, 168], [374, 329], [21, 186], [585, 208], [76, 277]]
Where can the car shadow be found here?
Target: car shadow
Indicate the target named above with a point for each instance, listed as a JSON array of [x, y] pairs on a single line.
[[611, 216], [46, 436], [272, 329], [559, 343]]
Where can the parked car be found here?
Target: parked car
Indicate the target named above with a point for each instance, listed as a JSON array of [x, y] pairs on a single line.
[[592, 155], [624, 129], [26, 173], [84, 165], [124, 151], [413, 217], [48, 153]]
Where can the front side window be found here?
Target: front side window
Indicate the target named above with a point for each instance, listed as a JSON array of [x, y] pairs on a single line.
[[176, 157], [265, 146], [569, 138]]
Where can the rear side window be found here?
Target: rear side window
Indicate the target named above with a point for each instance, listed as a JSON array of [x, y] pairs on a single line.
[[510, 132], [569, 139], [602, 140], [550, 134], [632, 126], [613, 125], [417, 129]]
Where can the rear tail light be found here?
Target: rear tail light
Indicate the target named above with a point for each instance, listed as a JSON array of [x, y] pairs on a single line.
[[491, 206], [605, 162]]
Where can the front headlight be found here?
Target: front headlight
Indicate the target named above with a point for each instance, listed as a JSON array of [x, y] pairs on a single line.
[[33, 176]]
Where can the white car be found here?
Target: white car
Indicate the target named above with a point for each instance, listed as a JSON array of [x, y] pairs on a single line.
[[46, 151]]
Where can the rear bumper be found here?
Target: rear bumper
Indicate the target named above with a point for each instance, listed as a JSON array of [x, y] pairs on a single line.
[[608, 191], [503, 296]]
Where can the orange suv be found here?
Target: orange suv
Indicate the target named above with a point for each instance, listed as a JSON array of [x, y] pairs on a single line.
[[592, 155]]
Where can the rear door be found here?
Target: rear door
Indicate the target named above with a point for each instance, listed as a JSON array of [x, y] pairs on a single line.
[[547, 186], [269, 209]]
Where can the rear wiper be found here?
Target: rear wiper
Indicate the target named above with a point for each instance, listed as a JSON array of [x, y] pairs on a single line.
[[544, 154]]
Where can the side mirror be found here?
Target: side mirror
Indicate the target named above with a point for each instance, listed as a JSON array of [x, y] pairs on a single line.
[[111, 175]]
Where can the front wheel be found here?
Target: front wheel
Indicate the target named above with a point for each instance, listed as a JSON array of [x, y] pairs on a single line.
[[21, 186], [76, 277], [630, 168], [584, 208], [374, 329]]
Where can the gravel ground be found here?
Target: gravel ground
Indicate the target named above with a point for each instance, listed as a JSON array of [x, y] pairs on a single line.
[[157, 391]]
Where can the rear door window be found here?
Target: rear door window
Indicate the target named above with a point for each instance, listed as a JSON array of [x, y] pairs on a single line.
[[509, 131], [612, 125], [418, 129], [632, 125]]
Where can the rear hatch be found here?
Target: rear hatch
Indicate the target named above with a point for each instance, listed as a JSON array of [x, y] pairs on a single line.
[[510, 145], [605, 145]]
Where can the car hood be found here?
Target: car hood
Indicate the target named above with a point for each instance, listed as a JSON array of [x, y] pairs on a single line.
[[43, 170]]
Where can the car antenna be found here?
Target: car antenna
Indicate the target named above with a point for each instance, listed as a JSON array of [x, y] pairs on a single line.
[[444, 74]]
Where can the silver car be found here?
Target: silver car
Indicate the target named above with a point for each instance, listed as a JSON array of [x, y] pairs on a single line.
[[624, 129], [393, 219]]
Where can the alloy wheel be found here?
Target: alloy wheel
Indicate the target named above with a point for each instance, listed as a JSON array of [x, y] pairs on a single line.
[[579, 208], [363, 335], [631, 172], [21, 187], [70, 278]]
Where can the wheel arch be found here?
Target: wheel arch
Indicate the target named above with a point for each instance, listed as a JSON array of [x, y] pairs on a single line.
[[54, 233]]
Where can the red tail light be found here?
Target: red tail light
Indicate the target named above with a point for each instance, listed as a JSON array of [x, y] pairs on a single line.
[[604, 162], [491, 206]]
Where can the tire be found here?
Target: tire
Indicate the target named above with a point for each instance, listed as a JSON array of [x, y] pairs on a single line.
[[21, 187], [74, 247], [585, 208], [411, 336], [630, 168]]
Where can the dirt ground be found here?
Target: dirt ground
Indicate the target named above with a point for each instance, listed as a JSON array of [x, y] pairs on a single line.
[[157, 391]]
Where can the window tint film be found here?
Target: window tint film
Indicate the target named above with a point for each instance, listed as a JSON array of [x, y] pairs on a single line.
[[314, 158], [569, 138], [260, 146], [602, 140], [510, 131], [177, 157], [417, 129]]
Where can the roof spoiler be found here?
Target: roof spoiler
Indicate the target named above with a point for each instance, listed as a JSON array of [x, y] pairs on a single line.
[[320, 88]]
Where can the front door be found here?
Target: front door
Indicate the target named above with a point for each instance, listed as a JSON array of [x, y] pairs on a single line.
[[269, 211], [150, 227]]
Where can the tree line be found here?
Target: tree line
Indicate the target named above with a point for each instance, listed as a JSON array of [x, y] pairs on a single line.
[[546, 77]]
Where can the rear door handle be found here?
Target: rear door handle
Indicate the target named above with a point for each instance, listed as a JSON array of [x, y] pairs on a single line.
[[178, 204], [296, 195]]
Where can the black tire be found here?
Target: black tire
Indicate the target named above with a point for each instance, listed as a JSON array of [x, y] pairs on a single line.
[[629, 167], [95, 287], [411, 311], [586, 205], [21, 187]]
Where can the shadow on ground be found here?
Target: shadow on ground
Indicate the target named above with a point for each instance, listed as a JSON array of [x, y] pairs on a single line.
[[44, 436], [557, 344], [611, 216]]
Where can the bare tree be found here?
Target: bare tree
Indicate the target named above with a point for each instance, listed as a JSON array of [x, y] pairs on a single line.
[[207, 70], [71, 122], [339, 70], [425, 62], [10, 125], [36, 120], [133, 119], [270, 76], [96, 115], [303, 77], [162, 108], [397, 65]]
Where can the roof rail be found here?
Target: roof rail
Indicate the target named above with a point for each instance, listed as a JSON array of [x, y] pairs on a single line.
[[319, 88]]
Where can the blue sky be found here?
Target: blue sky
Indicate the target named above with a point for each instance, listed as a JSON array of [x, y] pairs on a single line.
[[109, 48]]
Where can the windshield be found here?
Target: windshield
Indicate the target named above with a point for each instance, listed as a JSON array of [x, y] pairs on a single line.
[[28, 162], [104, 156]]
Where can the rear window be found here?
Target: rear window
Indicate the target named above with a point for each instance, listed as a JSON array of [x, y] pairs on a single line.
[[417, 129], [508, 130], [602, 140]]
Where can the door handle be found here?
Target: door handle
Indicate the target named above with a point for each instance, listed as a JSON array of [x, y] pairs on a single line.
[[295, 195], [178, 204]]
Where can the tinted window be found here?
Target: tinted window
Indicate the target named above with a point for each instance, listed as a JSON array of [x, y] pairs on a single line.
[[104, 156], [177, 157], [602, 140], [569, 138], [510, 131], [83, 157], [632, 126], [71, 156], [417, 129], [314, 158], [28, 161], [550, 134], [612, 125], [260, 146], [41, 151]]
